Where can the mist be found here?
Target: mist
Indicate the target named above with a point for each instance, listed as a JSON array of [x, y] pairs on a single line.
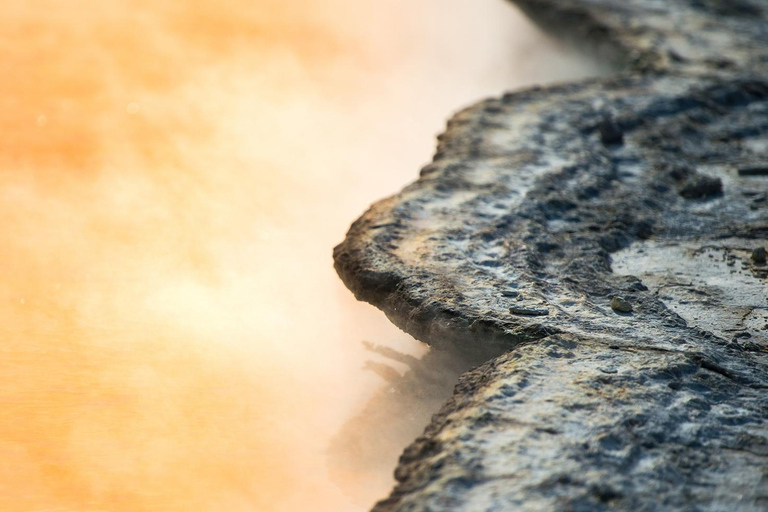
[[174, 177]]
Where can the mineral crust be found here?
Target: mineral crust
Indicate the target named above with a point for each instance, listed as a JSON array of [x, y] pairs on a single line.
[[540, 208]]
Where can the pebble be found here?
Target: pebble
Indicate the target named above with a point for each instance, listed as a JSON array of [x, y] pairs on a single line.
[[610, 132], [754, 170], [621, 304], [700, 186], [759, 255]]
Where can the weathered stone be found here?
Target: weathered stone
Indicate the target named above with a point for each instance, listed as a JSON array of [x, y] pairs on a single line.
[[610, 132], [753, 170], [700, 186], [666, 409], [528, 311], [621, 304], [758, 255], [546, 427]]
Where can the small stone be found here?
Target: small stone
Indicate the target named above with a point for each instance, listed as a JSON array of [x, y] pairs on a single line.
[[753, 170], [700, 186], [529, 311], [610, 132], [759, 255], [621, 304]]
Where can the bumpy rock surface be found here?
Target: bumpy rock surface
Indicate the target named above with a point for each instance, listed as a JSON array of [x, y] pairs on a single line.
[[542, 206]]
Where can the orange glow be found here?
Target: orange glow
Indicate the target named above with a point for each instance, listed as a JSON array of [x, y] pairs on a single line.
[[173, 178]]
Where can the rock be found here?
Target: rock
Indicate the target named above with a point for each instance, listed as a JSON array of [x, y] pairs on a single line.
[[610, 132], [563, 435], [753, 170], [758, 255], [422, 256], [523, 191], [700, 186], [528, 311], [621, 304]]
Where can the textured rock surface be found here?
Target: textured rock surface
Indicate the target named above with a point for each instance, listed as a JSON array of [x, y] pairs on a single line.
[[653, 35], [542, 206]]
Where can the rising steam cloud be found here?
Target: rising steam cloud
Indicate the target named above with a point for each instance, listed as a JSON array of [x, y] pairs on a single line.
[[173, 178]]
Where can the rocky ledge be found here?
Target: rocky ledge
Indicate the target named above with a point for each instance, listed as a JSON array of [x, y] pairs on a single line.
[[602, 246]]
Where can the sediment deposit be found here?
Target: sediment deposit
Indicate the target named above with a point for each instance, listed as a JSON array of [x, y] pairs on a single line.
[[602, 245]]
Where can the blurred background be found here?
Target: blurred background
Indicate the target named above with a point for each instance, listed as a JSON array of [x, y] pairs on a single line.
[[174, 176]]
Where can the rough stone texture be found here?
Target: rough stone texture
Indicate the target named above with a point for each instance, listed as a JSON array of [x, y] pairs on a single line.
[[538, 209], [571, 424], [653, 35]]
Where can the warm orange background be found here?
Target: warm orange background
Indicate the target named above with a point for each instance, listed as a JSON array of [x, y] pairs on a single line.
[[173, 176]]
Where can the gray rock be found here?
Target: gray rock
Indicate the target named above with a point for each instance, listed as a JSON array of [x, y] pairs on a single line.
[[758, 255], [753, 170], [610, 132], [584, 409], [621, 304], [516, 310], [541, 428], [700, 186]]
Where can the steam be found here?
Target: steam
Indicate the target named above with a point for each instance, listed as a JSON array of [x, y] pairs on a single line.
[[173, 178]]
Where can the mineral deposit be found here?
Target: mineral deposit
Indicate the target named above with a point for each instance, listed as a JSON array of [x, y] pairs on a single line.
[[543, 206]]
